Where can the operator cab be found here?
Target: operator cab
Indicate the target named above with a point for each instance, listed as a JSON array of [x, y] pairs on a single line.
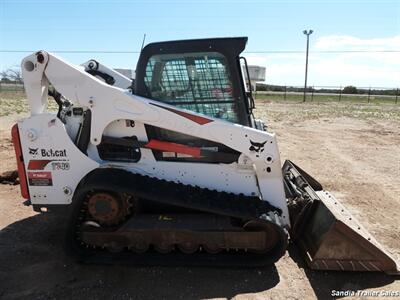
[[204, 76]]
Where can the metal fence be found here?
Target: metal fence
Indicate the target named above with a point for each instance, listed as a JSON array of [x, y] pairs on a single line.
[[329, 93]]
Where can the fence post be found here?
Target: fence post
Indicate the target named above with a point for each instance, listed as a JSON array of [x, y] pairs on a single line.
[[369, 93], [312, 94], [284, 95], [340, 93], [397, 94]]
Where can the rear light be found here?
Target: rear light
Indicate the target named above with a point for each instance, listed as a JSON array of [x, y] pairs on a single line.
[[20, 162]]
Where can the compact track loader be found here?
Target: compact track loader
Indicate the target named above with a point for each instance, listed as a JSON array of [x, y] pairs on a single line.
[[172, 168]]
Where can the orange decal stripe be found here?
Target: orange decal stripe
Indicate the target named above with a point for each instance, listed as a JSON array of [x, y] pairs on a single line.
[[173, 147]]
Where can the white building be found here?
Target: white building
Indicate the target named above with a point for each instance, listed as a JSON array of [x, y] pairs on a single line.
[[257, 74]]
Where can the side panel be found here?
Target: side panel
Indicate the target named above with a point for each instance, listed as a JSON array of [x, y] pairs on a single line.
[[235, 178], [53, 164]]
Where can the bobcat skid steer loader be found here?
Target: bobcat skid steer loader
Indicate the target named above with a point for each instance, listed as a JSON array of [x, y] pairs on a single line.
[[172, 168]]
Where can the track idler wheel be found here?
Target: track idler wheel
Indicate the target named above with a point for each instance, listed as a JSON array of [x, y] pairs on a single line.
[[272, 235], [108, 209]]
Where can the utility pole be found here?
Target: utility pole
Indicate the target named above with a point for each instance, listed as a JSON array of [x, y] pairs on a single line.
[[307, 33]]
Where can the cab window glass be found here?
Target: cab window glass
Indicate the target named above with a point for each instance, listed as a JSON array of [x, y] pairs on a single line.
[[195, 81]]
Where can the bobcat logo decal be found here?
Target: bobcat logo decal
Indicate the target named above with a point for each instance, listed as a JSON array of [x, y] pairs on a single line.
[[257, 147], [33, 151]]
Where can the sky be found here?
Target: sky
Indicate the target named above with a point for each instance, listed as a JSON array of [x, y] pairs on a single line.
[[274, 29]]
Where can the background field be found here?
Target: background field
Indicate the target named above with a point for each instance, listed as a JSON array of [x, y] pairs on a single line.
[[351, 148], [327, 97]]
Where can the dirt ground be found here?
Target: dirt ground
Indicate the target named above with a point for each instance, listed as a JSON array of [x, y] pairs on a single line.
[[353, 152]]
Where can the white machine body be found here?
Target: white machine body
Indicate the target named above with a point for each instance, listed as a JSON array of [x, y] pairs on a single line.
[[54, 165]]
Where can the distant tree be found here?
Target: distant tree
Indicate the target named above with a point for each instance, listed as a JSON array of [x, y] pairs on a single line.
[[5, 79], [261, 87], [350, 90], [4, 76], [11, 74]]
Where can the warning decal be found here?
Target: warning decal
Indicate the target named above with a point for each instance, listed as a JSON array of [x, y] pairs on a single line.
[[40, 179]]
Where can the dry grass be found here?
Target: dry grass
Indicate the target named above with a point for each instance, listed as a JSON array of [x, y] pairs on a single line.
[[280, 111], [12, 102]]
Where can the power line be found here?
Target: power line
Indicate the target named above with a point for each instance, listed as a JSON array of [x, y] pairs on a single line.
[[327, 51], [250, 52], [70, 51]]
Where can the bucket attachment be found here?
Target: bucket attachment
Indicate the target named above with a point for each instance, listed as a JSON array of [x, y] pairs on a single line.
[[331, 238]]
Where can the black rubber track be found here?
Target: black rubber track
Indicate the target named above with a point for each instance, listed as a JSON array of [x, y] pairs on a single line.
[[176, 194]]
